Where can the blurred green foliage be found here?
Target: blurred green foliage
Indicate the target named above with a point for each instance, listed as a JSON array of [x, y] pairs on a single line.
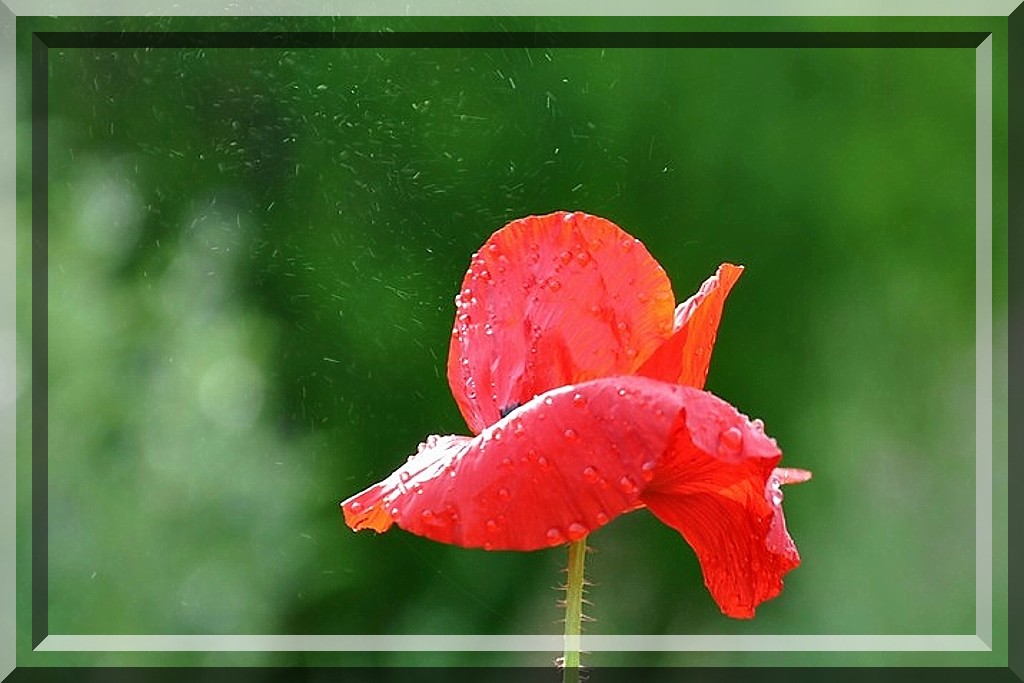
[[253, 255]]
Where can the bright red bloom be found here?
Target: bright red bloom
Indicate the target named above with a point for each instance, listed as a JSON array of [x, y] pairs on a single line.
[[582, 383]]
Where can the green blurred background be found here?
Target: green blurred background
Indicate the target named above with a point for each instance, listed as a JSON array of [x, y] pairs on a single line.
[[253, 255]]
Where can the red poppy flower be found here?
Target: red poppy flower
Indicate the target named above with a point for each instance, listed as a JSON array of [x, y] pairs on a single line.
[[582, 383]]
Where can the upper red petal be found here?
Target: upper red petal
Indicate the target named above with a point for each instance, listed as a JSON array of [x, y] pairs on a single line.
[[686, 355], [550, 301], [572, 459]]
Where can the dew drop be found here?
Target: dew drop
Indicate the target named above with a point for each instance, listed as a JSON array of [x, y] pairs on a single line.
[[578, 400], [582, 257], [627, 244], [758, 424], [565, 257], [595, 309], [488, 545], [554, 285], [542, 461], [589, 474], [621, 326], [776, 495], [601, 517], [627, 485], [631, 352], [576, 531], [504, 494], [554, 536], [488, 329], [642, 297], [496, 434], [570, 434], [548, 401], [403, 476], [506, 462], [355, 506], [517, 429], [730, 441], [491, 526], [427, 515], [647, 470]]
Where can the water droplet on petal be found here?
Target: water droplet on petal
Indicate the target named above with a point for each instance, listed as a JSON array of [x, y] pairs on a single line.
[[627, 485], [427, 515], [582, 257], [355, 506], [404, 476], [647, 470], [504, 494], [488, 545], [578, 400], [570, 434], [548, 401], [554, 285], [554, 536], [730, 441], [491, 526], [496, 434], [507, 462], [589, 474], [601, 517], [642, 297], [565, 257], [542, 461], [758, 424], [576, 531], [517, 429]]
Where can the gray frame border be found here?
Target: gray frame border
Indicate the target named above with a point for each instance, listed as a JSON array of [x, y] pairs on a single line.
[[982, 641]]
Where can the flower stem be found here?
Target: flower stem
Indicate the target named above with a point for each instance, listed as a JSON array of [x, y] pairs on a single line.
[[573, 611]]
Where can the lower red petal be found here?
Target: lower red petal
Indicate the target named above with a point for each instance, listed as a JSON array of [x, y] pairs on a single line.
[[730, 511]]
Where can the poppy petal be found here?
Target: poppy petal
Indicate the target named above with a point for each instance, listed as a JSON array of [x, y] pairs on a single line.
[[550, 301], [569, 461], [686, 355], [730, 512]]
